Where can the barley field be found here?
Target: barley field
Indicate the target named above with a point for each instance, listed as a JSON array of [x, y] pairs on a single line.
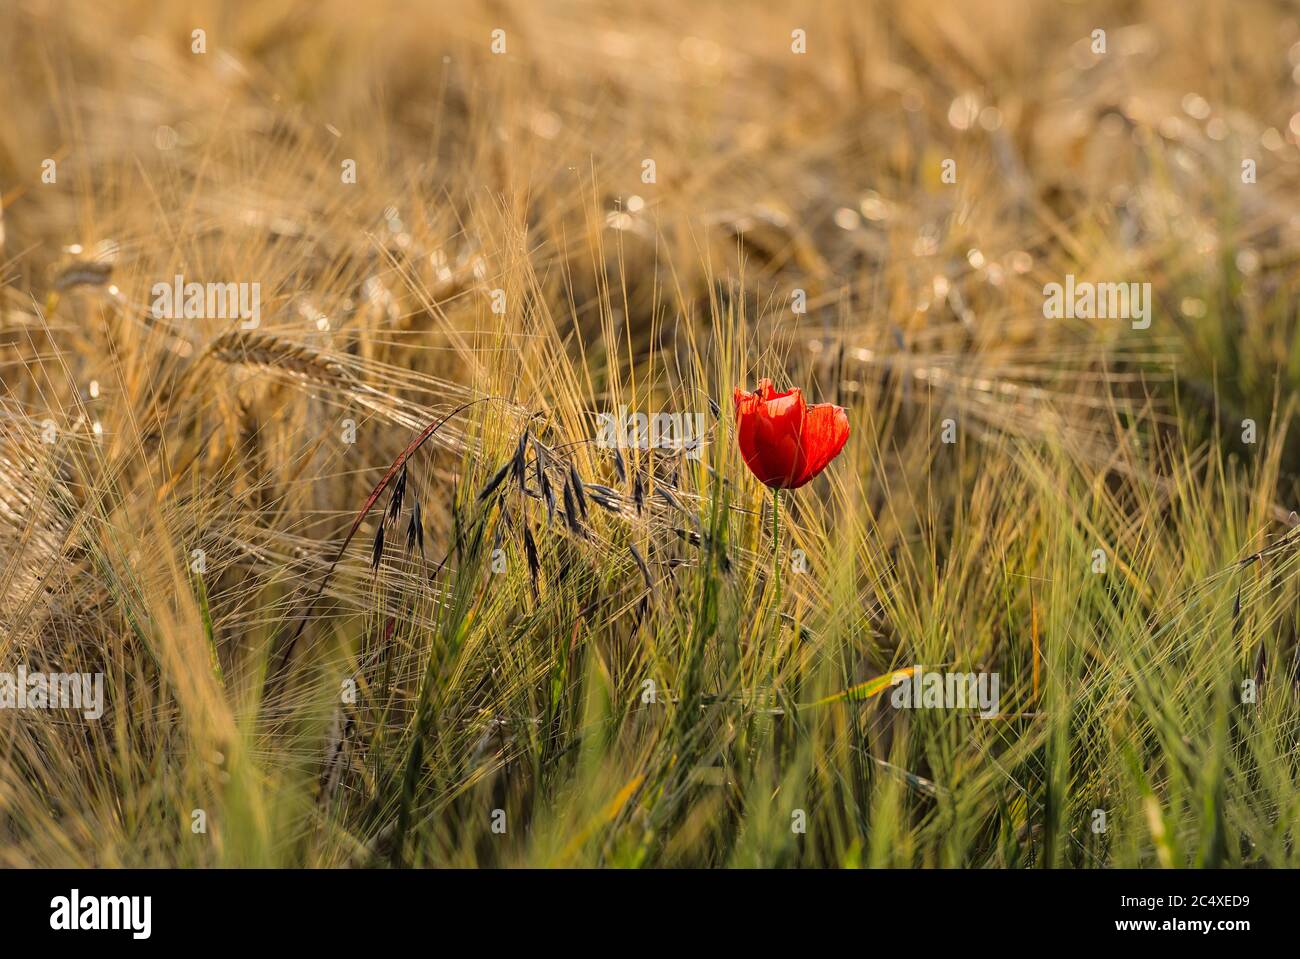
[[366, 585]]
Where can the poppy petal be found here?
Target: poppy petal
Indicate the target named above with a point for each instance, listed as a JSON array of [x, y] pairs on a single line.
[[767, 432], [825, 431]]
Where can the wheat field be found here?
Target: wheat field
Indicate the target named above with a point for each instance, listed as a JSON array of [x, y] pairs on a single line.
[[364, 586]]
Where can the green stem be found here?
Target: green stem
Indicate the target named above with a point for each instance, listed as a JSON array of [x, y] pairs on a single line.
[[776, 548]]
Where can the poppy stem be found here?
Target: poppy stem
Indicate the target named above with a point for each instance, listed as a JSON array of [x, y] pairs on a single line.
[[776, 548]]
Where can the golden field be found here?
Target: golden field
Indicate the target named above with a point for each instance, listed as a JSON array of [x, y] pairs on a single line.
[[444, 235]]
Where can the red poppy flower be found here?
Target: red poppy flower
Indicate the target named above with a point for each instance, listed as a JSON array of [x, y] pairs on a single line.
[[786, 442]]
